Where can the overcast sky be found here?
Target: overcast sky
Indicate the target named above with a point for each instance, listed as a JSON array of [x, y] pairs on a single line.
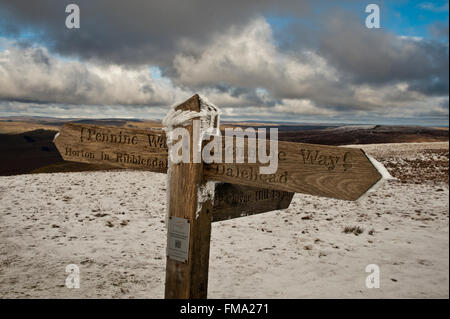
[[303, 61]]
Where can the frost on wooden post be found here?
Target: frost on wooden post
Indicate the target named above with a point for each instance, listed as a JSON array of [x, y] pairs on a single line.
[[205, 192], [209, 117]]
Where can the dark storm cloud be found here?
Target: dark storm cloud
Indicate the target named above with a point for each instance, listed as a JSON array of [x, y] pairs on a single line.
[[327, 62], [153, 32], [135, 31], [373, 56]]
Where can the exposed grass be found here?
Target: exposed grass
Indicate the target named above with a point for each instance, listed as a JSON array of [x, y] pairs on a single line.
[[71, 167], [353, 230]]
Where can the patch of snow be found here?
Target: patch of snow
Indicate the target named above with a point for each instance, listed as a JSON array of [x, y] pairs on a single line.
[[110, 224]]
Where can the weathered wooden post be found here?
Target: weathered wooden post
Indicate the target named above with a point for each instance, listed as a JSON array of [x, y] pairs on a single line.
[[189, 209]]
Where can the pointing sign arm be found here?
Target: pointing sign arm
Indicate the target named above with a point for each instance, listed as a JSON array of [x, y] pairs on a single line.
[[113, 146], [329, 171]]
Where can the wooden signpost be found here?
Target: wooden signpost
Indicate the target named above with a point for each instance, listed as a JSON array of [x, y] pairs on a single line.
[[200, 193]]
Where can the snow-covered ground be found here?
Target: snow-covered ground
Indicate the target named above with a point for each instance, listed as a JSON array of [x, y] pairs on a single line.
[[111, 224]]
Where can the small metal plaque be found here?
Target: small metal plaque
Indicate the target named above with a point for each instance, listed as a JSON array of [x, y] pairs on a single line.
[[178, 239]]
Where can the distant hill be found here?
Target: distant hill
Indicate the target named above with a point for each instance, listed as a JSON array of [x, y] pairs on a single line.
[[35, 152], [25, 149], [347, 135]]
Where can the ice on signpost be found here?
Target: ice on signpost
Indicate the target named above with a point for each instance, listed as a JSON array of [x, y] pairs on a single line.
[[385, 176]]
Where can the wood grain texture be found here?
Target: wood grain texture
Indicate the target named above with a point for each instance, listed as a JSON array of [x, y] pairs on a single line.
[[189, 280], [233, 201], [113, 146], [329, 171]]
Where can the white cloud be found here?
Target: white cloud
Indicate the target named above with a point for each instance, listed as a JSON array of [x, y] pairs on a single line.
[[301, 107], [35, 75], [242, 71], [293, 83], [433, 7], [249, 58]]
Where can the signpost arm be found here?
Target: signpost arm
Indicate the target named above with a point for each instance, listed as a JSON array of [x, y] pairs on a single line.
[[189, 280]]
